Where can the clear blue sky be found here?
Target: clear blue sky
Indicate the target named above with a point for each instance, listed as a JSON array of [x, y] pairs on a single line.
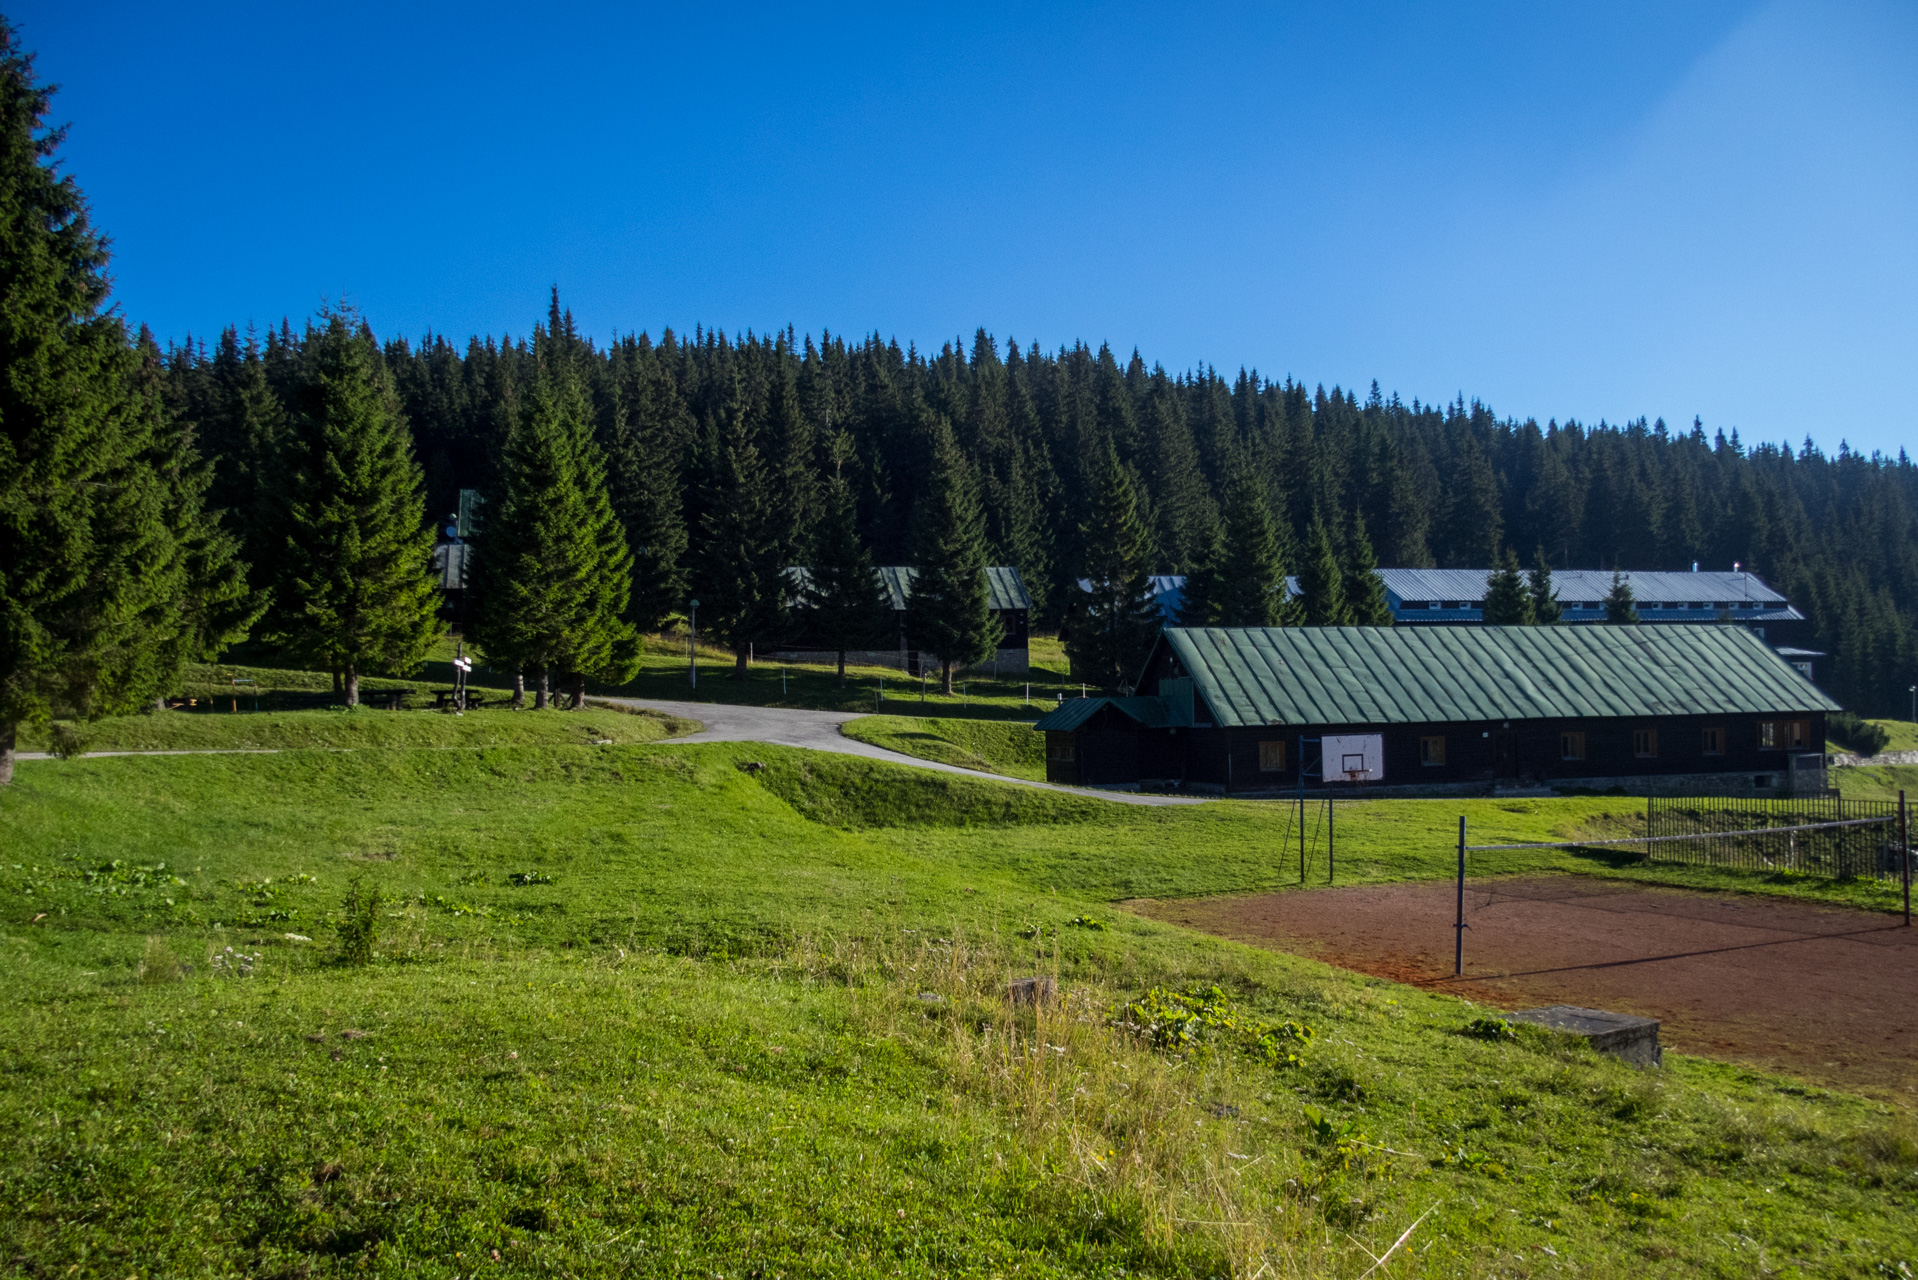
[[1599, 211]]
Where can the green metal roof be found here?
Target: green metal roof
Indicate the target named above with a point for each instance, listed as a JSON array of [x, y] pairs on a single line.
[[1074, 712], [1403, 675], [1005, 589]]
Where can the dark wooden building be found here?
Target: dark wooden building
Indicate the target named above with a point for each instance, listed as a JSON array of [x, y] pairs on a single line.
[[1006, 596], [1703, 709]]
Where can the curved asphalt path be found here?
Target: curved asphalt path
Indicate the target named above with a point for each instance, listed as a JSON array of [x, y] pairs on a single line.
[[819, 731]]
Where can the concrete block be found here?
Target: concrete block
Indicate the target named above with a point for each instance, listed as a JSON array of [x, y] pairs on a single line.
[[1619, 1034]]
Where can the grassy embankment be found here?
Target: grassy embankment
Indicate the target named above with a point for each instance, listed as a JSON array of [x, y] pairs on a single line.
[[218, 715], [639, 1011], [992, 746]]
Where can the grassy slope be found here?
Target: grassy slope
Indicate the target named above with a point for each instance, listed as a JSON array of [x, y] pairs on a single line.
[[704, 1046], [366, 727], [1880, 783], [1904, 734], [996, 746]]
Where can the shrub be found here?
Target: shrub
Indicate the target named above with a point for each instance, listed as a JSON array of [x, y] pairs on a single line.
[[64, 741], [1862, 736], [359, 922]]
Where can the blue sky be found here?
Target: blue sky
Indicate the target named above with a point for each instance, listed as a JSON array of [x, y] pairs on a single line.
[[1598, 211]]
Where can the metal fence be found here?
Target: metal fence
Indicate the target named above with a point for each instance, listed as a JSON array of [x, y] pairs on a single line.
[[1813, 835]]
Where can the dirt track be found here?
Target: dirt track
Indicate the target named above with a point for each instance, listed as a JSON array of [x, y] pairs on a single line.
[[1826, 993]]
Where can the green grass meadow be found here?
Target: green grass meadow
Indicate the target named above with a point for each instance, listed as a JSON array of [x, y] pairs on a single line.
[[638, 1010]]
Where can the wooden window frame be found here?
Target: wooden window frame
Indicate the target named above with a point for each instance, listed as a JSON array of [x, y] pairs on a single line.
[[1062, 750], [1432, 751], [1645, 744], [1784, 735], [1571, 745], [1269, 752], [1712, 739]]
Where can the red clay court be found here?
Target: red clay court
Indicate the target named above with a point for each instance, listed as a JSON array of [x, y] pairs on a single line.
[[1826, 993]]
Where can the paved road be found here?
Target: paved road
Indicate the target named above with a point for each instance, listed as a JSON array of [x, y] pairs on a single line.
[[819, 731]]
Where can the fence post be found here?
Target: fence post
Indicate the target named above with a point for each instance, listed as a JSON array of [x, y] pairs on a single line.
[[1904, 856], [1331, 845], [1458, 929]]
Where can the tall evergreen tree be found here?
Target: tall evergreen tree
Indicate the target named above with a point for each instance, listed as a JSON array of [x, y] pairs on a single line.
[[355, 590], [1201, 598], [845, 605], [1250, 588], [1546, 609], [1322, 581], [1507, 603], [1364, 590], [644, 423], [112, 573], [950, 611], [554, 573], [740, 560], [1118, 618], [1620, 608]]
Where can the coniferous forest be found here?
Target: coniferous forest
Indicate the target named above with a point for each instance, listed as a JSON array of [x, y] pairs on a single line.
[[1422, 485]]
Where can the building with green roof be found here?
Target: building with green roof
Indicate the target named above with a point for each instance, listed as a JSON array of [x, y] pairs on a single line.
[[1435, 710]]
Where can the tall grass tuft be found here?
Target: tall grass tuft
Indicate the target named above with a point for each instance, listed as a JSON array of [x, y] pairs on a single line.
[[359, 922]]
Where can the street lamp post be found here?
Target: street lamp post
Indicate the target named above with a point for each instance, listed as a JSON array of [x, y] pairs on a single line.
[[692, 644], [1914, 702]]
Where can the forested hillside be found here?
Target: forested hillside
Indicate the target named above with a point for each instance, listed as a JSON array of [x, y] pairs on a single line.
[[1451, 485]]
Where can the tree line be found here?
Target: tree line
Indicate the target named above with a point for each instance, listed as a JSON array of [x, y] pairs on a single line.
[[1077, 463]]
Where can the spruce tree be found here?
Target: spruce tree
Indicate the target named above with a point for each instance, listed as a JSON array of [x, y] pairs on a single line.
[[1365, 602], [1507, 603], [950, 611], [845, 604], [1199, 601], [112, 573], [1546, 609], [1620, 608], [1322, 581], [554, 573], [355, 590], [740, 564], [644, 421], [1118, 619], [1250, 577]]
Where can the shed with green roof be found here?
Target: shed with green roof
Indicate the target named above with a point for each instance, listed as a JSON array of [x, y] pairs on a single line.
[[1440, 709]]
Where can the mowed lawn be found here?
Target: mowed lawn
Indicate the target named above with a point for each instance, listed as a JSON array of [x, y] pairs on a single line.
[[639, 1010]]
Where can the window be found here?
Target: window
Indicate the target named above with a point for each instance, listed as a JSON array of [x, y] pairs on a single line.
[[1571, 746], [1714, 742], [1061, 748], [1432, 751], [1783, 735], [1645, 743], [1271, 757]]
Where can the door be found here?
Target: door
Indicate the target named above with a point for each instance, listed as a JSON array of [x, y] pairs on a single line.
[[1505, 754]]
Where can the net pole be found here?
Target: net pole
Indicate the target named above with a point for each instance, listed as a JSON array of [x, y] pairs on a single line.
[[1904, 856], [1331, 845], [1458, 929]]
